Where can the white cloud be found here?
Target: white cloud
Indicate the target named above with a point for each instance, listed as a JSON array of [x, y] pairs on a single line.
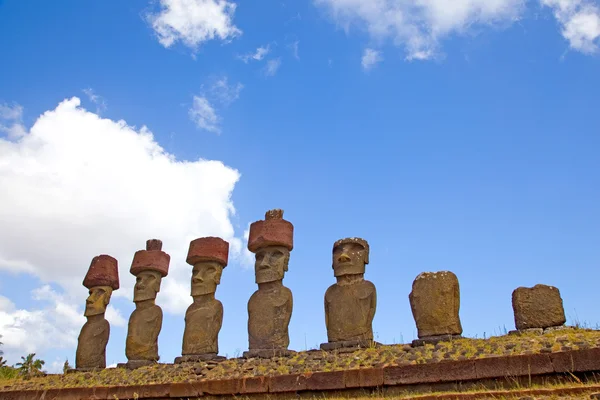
[[294, 47], [272, 66], [579, 21], [194, 21], [258, 55], [11, 120], [96, 99], [204, 115], [419, 25], [81, 185], [56, 325], [225, 93], [370, 58]]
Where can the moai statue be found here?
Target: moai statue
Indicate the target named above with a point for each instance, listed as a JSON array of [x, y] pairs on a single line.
[[149, 267], [101, 279], [435, 303], [350, 303], [537, 308], [203, 319], [270, 307]]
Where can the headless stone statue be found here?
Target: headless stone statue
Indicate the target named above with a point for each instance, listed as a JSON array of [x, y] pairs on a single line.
[[203, 319], [145, 323], [435, 304], [350, 303], [102, 278], [270, 307]]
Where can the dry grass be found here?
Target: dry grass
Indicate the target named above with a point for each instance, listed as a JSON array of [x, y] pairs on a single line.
[[316, 360]]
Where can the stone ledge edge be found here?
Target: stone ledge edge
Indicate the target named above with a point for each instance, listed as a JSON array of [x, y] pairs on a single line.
[[587, 360]]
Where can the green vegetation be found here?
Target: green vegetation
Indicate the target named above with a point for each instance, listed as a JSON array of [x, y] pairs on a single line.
[[30, 366]]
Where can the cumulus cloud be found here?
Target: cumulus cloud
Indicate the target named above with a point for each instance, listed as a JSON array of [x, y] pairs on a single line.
[[418, 26], [204, 115], [370, 58], [272, 66], [11, 120], [258, 55], [55, 325], [81, 185], [579, 21], [194, 21]]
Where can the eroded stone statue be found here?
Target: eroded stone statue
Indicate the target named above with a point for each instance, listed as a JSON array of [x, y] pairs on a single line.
[[435, 305], [101, 279], [539, 307], [351, 302], [149, 267], [203, 319], [270, 307]]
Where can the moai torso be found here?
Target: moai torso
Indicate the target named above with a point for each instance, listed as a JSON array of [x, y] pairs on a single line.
[[349, 311], [142, 335], [269, 314], [202, 326], [91, 346]]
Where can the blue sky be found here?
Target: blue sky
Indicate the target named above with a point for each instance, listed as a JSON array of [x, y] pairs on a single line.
[[457, 137]]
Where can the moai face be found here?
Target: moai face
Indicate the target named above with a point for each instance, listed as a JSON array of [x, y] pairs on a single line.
[[205, 277], [271, 263], [349, 258], [98, 300], [147, 285]]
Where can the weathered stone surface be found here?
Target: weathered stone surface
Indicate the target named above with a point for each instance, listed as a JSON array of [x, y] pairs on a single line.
[[103, 271], [538, 307], [203, 319], [349, 344], [272, 231], [350, 303], [435, 304], [91, 344], [101, 279], [434, 340], [268, 353], [270, 307], [199, 357], [145, 322], [208, 249], [151, 259]]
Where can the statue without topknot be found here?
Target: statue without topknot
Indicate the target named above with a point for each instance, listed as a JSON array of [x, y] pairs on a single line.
[[149, 267], [351, 302], [270, 307], [203, 319], [101, 279]]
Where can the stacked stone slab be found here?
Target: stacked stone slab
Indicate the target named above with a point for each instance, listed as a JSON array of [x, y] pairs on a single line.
[[101, 279], [351, 302], [149, 267], [203, 319], [270, 307], [539, 307], [435, 304]]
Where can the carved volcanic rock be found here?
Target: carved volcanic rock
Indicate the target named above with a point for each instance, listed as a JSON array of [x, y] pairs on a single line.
[[435, 302], [538, 307]]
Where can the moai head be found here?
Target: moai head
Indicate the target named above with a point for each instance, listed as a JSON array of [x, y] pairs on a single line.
[[350, 256], [149, 267], [271, 240], [208, 256], [101, 279]]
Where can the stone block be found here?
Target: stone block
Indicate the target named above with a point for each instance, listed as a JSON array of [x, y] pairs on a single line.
[[538, 307], [435, 304]]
